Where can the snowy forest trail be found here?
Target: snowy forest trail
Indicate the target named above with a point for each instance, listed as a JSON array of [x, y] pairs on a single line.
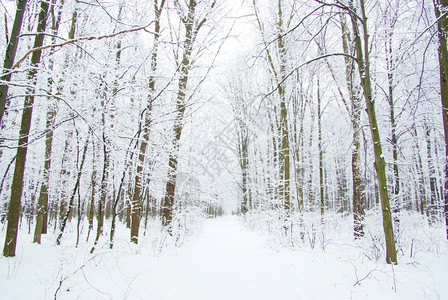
[[223, 260], [229, 262]]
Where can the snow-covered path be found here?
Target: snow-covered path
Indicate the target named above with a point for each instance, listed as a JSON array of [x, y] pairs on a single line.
[[223, 261], [229, 262]]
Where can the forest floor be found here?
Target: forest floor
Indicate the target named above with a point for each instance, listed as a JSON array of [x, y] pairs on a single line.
[[223, 260]]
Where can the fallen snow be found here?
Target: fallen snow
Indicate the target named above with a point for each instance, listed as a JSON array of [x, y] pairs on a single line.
[[224, 260]]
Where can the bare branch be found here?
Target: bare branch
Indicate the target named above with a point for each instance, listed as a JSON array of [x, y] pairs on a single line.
[[89, 38], [342, 6], [307, 63]]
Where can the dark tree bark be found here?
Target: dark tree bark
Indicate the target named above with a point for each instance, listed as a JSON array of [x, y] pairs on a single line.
[[362, 55], [72, 197], [192, 26], [431, 211], [137, 195], [17, 184], [10, 54], [441, 7], [42, 206], [91, 209], [102, 201]]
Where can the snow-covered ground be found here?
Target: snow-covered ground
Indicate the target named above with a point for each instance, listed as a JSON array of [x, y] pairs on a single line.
[[223, 260]]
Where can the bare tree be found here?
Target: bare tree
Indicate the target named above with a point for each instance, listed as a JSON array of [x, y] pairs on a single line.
[[17, 185], [278, 71], [137, 195], [192, 23], [362, 47], [355, 109], [441, 7]]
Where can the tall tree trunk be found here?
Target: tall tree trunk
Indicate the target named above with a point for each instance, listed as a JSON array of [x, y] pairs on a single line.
[[66, 173], [362, 54], [240, 114], [321, 151], [311, 200], [42, 213], [279, 74], [390, 65], [244, 164], [441, 7], [91, 209], [192, 27], [17, 184], [42, 207], [73, 195], [10, 54], [138, 182], [128, 205], [103, 195], [298, 136], [284, 127], [170, 190], [359, 198], [420, 188], [431, 211]]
